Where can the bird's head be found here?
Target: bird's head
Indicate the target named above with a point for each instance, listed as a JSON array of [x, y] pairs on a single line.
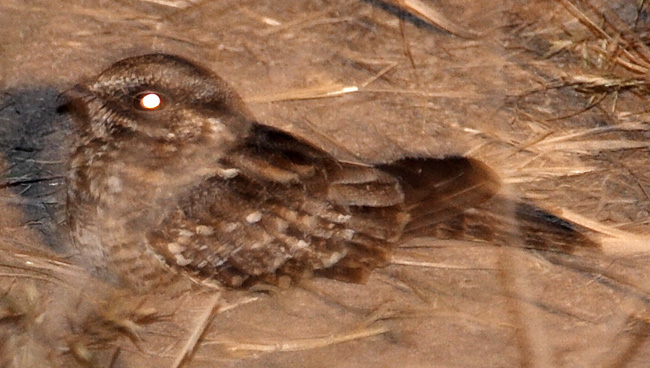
[[162, 97]]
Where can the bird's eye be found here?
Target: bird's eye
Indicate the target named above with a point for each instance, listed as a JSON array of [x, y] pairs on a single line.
[[149, 101]]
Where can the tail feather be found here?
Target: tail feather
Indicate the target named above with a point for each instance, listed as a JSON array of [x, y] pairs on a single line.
[[457, 198], [511, 222], [437, 190]]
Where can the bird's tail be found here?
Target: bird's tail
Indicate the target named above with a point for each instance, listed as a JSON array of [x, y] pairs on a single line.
[[459, 198]]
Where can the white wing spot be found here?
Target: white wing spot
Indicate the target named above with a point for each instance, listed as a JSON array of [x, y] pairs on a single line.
[[333, 259], [230, 227], [182, 261], [175, 248], [343, 218], [217, 125], [228, 173], [254, 217], [204, 230], [302, 244], [185, 233]]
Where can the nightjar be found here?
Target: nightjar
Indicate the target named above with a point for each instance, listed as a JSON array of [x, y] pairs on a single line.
[[171, 177]]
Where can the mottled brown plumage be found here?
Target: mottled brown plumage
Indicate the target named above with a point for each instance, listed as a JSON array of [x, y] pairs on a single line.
[[196, 187]]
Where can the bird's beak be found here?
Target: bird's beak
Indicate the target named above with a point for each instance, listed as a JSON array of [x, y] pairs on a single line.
[[69, 100]]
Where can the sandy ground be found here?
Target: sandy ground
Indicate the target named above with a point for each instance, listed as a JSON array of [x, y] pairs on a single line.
[[552, 94]]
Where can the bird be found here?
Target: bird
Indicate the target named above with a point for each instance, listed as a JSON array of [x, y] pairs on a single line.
[[171, 176]]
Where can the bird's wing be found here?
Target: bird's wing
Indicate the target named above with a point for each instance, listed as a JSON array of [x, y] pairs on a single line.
[[290, 208], [281, 206]]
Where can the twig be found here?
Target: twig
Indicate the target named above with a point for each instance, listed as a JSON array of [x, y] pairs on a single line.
[[202, 325]]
